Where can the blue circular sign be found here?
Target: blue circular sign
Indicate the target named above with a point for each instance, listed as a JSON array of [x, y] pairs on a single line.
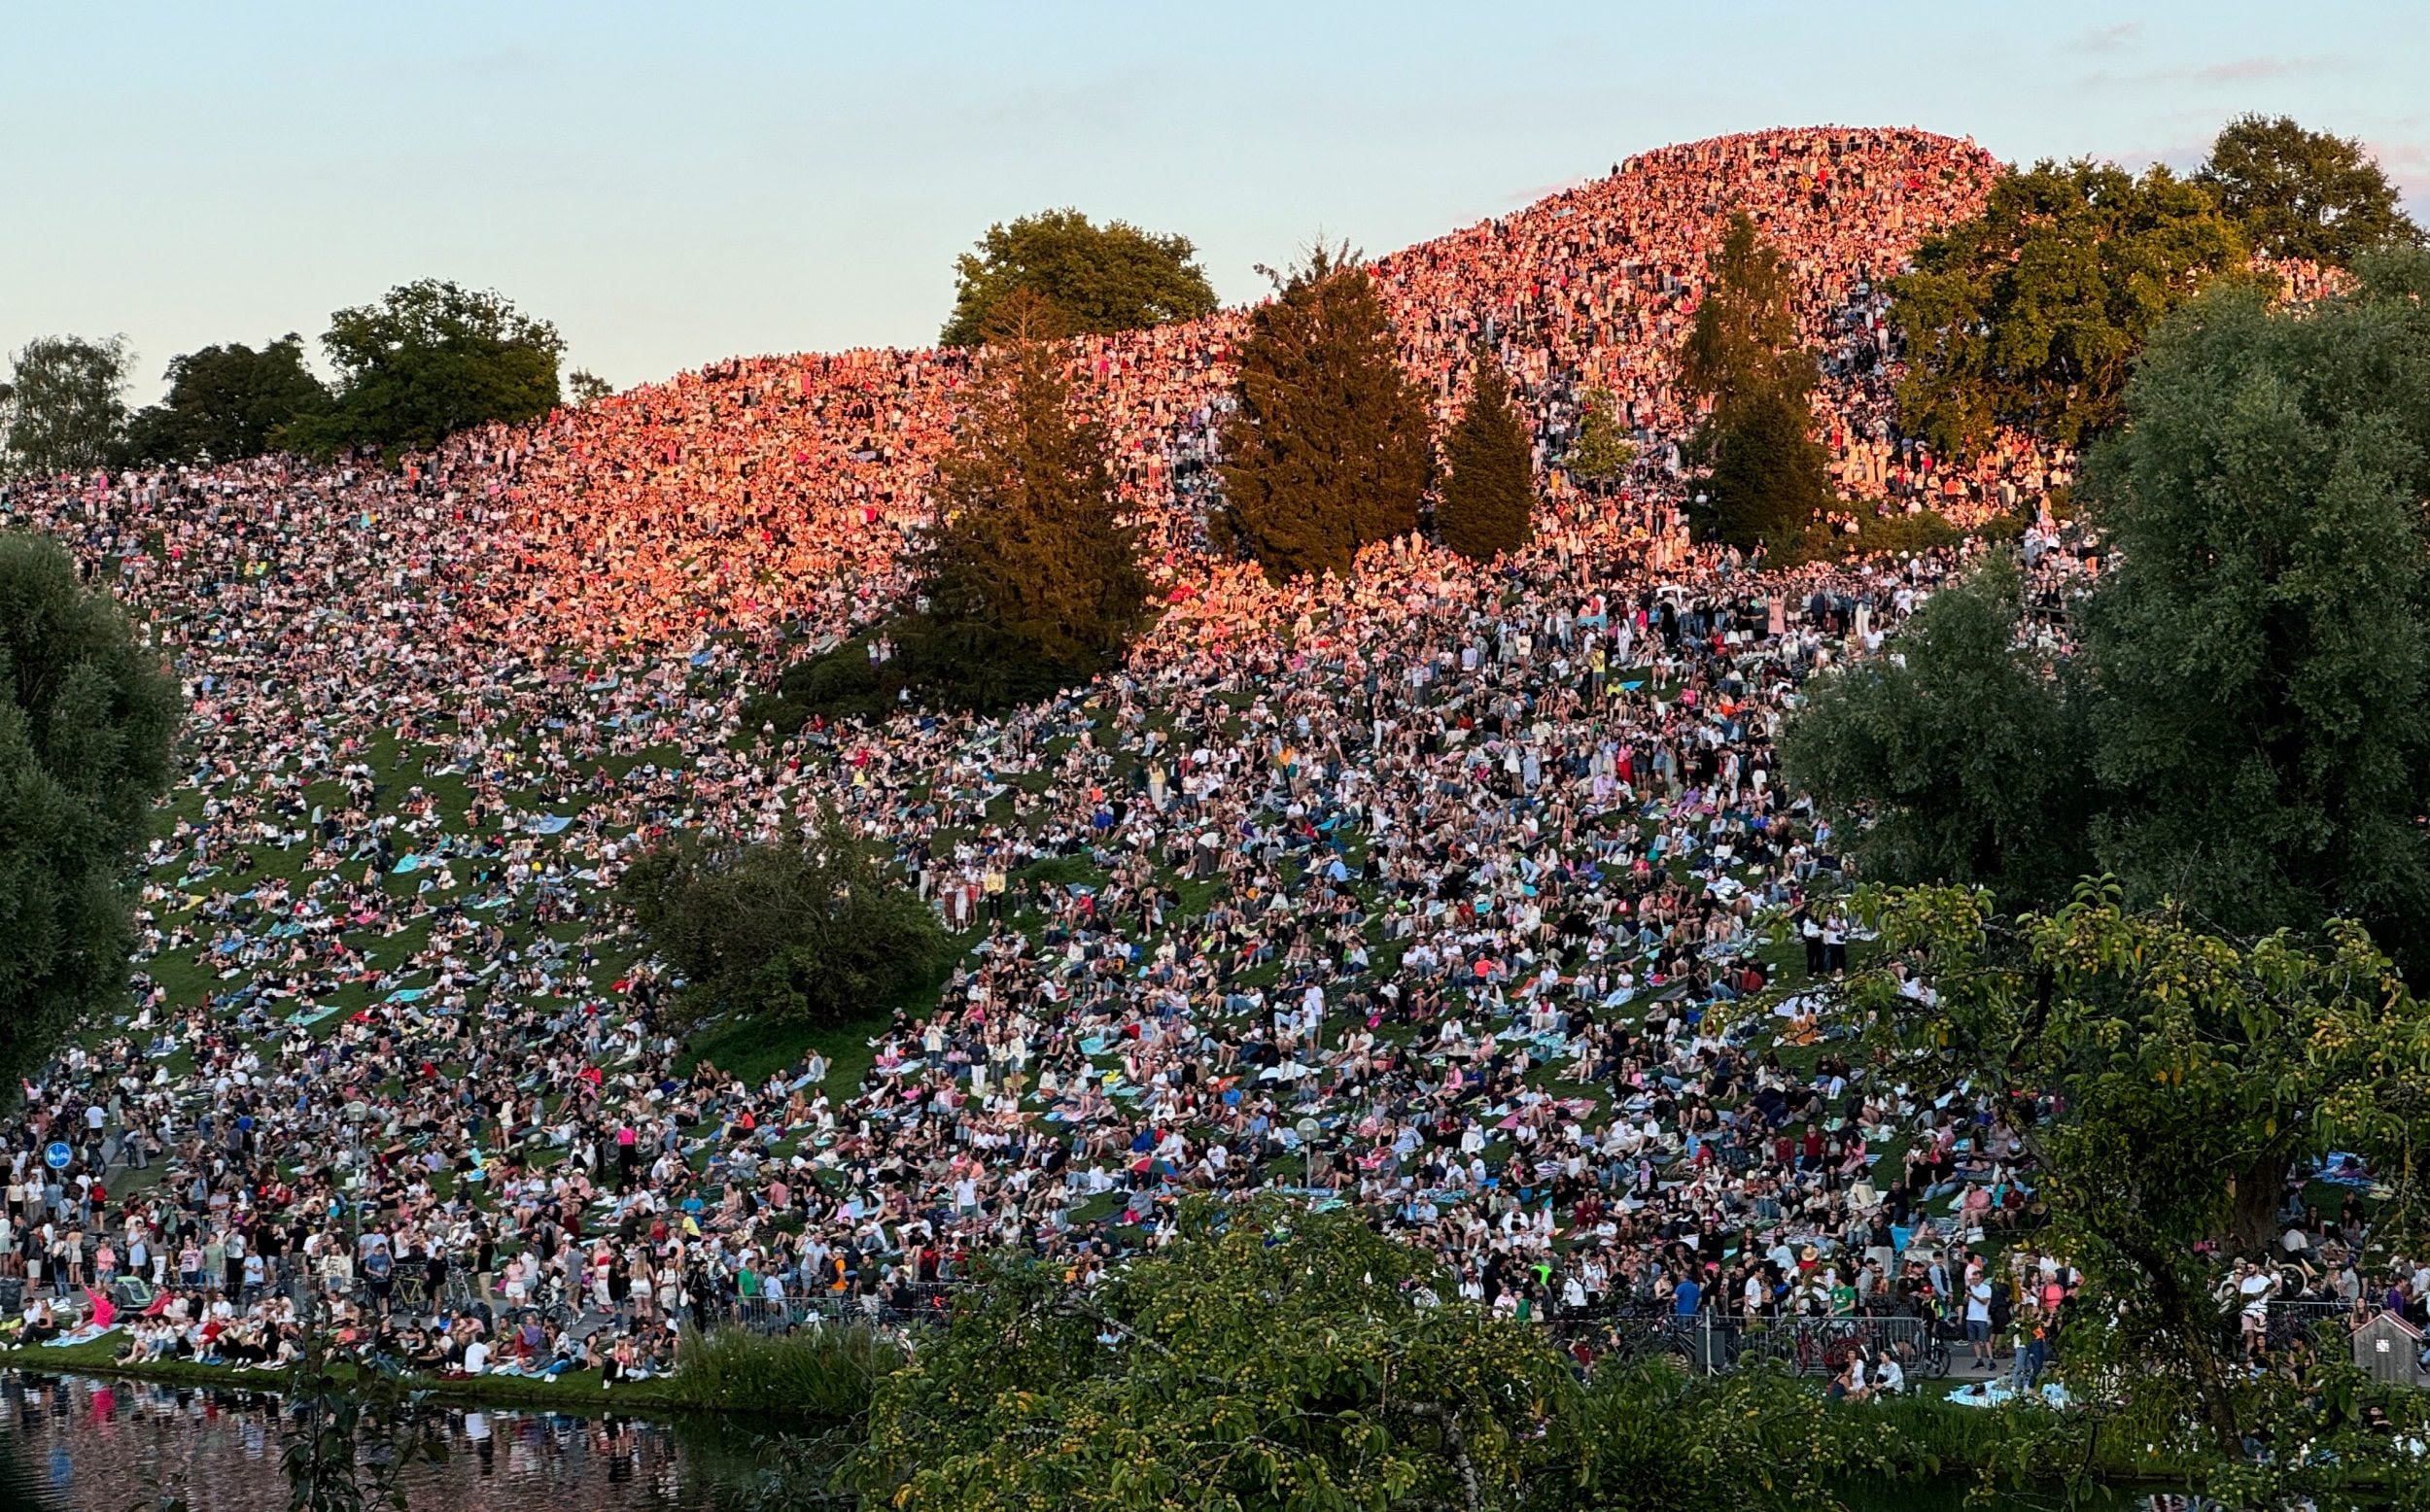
[[58, 1155]]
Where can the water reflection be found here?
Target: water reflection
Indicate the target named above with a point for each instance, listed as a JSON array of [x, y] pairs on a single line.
[[73, 1444], [77, 1445]]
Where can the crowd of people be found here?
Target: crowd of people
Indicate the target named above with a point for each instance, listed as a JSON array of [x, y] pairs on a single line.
[[1437, 889]]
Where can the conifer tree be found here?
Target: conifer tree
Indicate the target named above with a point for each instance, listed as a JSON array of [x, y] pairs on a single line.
[[1745, 339], [1744, 357], [1489, 490], [1768, 471], [1329, 447], [1600, 453], [1033, 579]]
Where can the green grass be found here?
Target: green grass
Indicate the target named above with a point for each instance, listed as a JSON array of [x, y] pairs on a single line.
[[755, 1052], [575, 1389]]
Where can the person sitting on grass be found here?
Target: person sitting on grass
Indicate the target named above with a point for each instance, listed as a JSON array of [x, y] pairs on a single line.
[[622, 1364], [41, 1325]]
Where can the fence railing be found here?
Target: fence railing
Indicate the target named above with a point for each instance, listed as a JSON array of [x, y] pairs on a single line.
[[2299, 1318]]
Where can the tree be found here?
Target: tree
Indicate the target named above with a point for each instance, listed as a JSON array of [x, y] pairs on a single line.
[[1266, 1357], [64, 404], [810, 930], [87, 721], [2298, 193], [226, 403], [1743, 358], [1328, 447], [1655, 1440], [2248, 675], [1959, 757], [1102, 279], [2262, 649], [1770, 475], [1489, 490], [429, 360], [1744, 344], [1600, 452], [2166, 1083], [588, 388], [2031, 313], [1033, 576]]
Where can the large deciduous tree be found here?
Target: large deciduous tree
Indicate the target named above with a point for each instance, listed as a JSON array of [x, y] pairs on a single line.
[[2262, 650], [1269, 1357], [430, 359], [227, 402], [1101, 278], [87, 721], [2166, 1084], [2299, 193], [65, 406], [2248, 678], [2031, 313], [1489, 485], [1959, 758], [1328, 447]]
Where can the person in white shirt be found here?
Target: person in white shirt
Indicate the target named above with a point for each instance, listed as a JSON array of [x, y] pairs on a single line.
[[1979, 1320]]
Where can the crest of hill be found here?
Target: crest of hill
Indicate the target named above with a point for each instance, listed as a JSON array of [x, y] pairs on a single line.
[[787, 490]]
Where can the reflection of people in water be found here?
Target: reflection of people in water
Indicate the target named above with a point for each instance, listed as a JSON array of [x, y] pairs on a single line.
[[619, 1446]]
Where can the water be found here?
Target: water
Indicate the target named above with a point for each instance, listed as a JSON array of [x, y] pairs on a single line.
[[71, 1444], [74, 1444]]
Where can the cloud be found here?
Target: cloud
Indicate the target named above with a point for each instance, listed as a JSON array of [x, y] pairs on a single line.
[[2230, 71], [2245, 70], [2108, 39]]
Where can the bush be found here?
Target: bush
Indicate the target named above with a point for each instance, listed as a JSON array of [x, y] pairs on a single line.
[[810, 930]]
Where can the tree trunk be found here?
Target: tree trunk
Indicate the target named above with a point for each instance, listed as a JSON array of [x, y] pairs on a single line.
[[2254, 1194]]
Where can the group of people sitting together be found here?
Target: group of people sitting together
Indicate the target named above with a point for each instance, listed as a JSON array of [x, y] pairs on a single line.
[[1442, 888]]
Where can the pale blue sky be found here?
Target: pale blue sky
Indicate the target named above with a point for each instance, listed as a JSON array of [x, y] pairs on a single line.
[[672, 183]]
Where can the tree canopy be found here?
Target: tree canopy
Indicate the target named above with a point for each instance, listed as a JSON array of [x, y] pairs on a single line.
[[2031, 313], [1744, 359], [87, 721], [1489, 484], [1270, 1356], [2263, 647], [807, 929], [1329, 447], [1599, 453], [2246, 679], [2300, 194], [64, 405], [226, 403], [2167, 1083], [1958, 756], [1745, 343], [1101, 278], [430, 359]]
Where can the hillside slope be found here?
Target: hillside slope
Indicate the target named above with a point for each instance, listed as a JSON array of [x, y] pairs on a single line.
[[775, 489]]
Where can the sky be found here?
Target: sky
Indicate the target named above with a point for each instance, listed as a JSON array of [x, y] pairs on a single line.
[[675, 182]]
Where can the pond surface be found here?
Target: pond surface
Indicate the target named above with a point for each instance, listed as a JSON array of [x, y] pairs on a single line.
[[75, 1444], [72, 1444]]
